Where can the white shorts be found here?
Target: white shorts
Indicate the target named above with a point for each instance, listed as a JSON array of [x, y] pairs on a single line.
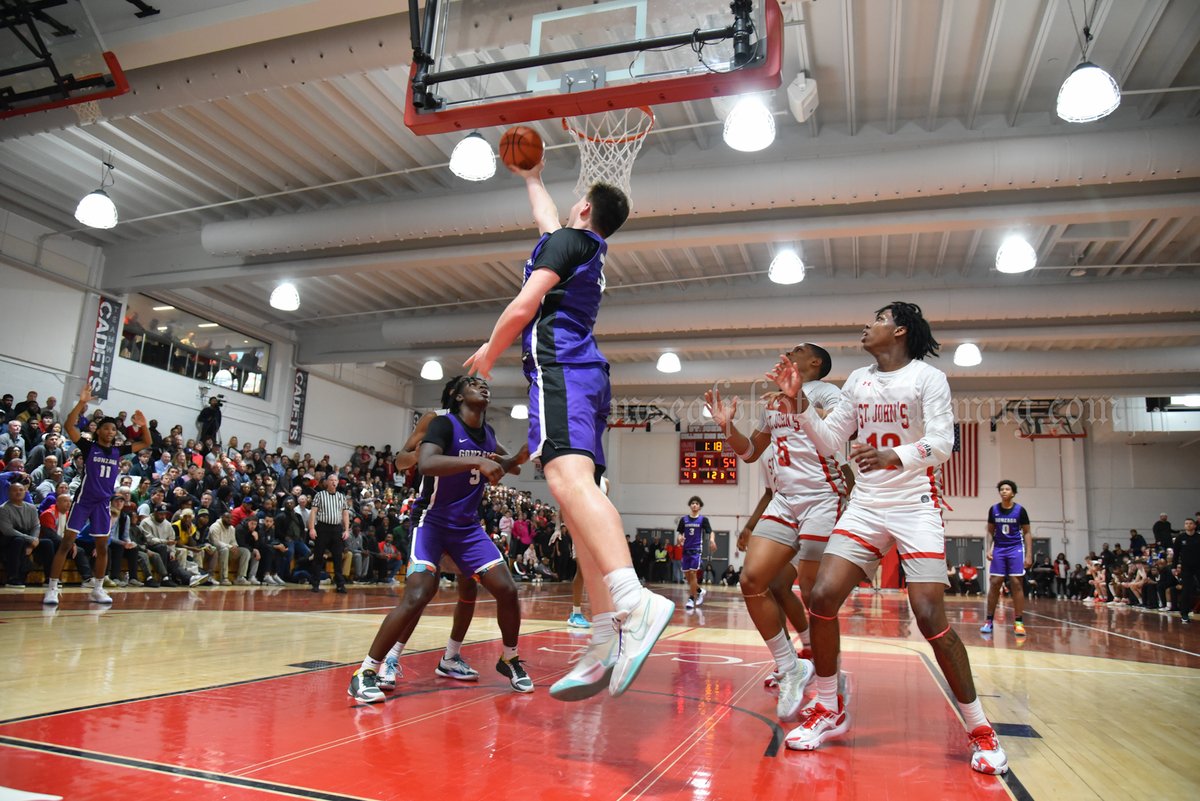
[[804, 525], [863, 536]]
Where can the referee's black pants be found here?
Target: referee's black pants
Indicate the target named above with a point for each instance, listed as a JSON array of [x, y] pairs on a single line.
[[329, 537]]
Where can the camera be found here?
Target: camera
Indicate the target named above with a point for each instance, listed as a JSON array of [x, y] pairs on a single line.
[[220, 399]]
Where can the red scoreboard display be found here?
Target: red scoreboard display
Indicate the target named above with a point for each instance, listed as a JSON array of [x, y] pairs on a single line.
[[706, 460]]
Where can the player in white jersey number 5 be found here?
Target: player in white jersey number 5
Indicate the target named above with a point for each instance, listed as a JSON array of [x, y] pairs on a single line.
[[808, 490], [900, 410]]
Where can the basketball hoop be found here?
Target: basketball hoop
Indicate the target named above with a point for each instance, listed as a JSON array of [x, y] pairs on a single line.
[[608, 144], [87, 112]]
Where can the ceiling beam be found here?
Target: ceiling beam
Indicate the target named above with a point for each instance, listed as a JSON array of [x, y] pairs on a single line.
[[1033, 60], [939, 64], [986, 57]]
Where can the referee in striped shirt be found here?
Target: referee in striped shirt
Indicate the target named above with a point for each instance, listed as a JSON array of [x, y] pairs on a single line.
[[329, 527]]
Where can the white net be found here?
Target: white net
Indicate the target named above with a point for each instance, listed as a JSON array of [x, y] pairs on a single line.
[[608, 143], [88, 112]]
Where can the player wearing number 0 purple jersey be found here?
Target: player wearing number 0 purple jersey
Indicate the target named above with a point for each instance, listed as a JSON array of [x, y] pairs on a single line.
[[555, 313], [90, 517], [1010, 553], [458, 457]]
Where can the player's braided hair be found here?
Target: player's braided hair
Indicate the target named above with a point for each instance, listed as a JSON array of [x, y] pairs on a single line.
[[448, 391], [919, 340]]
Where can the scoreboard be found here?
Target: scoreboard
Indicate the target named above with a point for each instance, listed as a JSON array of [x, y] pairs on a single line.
[[706, 460]]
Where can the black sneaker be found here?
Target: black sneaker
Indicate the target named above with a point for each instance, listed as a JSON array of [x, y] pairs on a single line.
[[1186, 619], [514, 671], [364, 686]]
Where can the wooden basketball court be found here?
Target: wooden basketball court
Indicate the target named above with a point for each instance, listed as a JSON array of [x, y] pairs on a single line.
[[238, 693]]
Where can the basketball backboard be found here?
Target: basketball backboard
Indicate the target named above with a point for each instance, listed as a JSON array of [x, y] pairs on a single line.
[[51, 56], [478, 63]]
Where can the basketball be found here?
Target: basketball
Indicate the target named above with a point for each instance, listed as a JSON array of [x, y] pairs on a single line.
[[521, 147]]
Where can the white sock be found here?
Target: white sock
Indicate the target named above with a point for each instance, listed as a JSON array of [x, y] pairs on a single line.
[[827, 688], [53, 585], [510, 653], [973, 714], [453, 647], [624, 587], [804, 639], [576, 610], [397, 649], [603, 629], [370, 664], [782, 650]]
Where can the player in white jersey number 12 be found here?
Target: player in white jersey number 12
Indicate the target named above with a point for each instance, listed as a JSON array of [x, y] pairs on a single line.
[[899, 408]]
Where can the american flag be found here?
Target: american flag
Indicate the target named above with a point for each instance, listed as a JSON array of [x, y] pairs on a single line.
[[961, 473]]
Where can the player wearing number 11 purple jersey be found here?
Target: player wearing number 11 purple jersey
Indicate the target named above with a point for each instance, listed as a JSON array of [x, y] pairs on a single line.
[[90, 517]]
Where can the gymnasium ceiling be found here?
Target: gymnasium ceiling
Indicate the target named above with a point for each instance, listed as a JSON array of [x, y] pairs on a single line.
[[265, 140]]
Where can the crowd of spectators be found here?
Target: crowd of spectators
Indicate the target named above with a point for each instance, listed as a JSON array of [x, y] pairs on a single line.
[[192, 511]]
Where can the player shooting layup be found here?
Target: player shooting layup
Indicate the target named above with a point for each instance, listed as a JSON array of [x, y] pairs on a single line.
[[569, 397]]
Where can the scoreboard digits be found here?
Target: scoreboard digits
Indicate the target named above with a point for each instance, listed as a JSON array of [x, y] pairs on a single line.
[[706, 461]]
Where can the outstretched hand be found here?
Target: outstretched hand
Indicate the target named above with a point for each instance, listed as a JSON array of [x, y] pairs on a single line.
[[722, 412], [533, 172], [786, 377], [480, 362]]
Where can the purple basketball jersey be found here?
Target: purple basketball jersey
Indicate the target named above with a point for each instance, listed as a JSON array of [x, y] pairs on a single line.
[[454, 500], [693, 532], [561, 332], [101, 468]]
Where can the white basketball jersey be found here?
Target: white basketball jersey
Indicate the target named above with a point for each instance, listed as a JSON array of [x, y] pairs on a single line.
[[907, 410], [799, 472]]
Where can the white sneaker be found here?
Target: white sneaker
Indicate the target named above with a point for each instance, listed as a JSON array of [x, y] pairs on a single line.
[[986, 754], [591, 673], [791, 689], [691, 603], [700, 597], [99, 596], [226, 582], [388, 673], [640, 629], [51, 597], [241, 582], [817, 724], [88, 584]]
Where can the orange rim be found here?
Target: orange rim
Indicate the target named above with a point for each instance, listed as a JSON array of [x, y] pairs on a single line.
[[612, 140]]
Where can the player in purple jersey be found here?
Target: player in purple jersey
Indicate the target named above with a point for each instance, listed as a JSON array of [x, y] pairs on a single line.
[[690, 533], [90, 515], [459, 453], [1010, 554], [569, 396]]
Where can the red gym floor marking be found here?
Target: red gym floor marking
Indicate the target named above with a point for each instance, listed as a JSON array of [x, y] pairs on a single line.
[[696, 725]]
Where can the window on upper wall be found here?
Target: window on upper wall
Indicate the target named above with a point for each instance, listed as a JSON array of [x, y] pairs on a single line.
[[159, 335]]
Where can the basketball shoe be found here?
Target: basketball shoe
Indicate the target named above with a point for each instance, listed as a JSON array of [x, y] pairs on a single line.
[[691, 603], [791, 689], [98, 595], [986, 754], [51, 597], [700, 597], [986, 628], [456, 668], [640, 629], [391, 671], [514, 670], [578, 621], [591, 673], [817, 724], [1019, 629], [364, 687]]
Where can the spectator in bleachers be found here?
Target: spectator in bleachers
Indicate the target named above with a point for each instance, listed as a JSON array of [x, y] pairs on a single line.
[[1137, 543], [13, 438], [249, 550], [1164, 534], [223, 538], [19, 535], [50, 445]]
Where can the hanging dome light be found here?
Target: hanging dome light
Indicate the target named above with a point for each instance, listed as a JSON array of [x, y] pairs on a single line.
[[285, 297], [967, 355], [520, 412], [669, 363], [1088, 94], [96, 210], [473, 159], [750, 126], [432, 370], [1015, 255], [786, 268]]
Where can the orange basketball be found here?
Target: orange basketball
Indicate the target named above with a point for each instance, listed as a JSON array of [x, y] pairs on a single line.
[[521, 147]]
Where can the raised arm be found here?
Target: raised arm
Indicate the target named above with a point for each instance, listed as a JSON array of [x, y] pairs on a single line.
[[515, 317], [828, 433], [748, 448], [70, 423], [545, 213]]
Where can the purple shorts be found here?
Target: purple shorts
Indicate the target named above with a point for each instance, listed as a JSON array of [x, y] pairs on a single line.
[[568, 410], [90, 519], [691, 560], [1008, 561], [470, 548]]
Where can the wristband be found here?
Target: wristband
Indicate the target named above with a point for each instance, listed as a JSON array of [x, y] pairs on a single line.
[[746, 454]]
